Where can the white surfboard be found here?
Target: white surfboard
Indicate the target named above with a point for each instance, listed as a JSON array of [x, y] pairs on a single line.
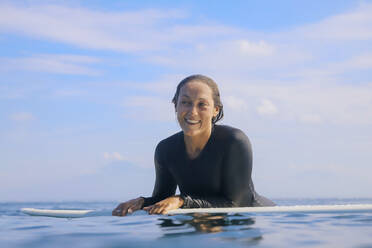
[[57, 213], [351, 208], [281, 209]]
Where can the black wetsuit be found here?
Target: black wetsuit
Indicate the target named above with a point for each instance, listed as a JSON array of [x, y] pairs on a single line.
[[219, 177]]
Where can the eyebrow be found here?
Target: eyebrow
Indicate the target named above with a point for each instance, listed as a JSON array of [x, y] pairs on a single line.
[[198, 99]]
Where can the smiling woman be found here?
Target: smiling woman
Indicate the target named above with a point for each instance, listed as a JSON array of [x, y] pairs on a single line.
[[211, 164]]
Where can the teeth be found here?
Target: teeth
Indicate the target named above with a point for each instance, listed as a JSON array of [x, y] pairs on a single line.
[[191, 121]]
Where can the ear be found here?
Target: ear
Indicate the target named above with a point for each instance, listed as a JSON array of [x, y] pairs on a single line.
[[216, 111]]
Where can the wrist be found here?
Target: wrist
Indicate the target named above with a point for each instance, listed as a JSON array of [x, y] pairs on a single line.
[[141, 200], [181, 200]]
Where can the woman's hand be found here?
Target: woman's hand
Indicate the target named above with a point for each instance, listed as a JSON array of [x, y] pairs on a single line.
[[165, 205], [128, 207]]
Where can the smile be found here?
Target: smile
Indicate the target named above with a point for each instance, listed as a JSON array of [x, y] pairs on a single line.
[[192, 122]]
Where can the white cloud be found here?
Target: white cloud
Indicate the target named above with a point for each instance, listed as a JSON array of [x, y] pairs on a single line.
[[129, 31], [363, 62], [315, 101], [355, 25], [113, 156], [267, 108], [52, 63], [235, 103], [22, 116], [149, 108], [225, 54], [255, 48], [282, 55], [207, 48]]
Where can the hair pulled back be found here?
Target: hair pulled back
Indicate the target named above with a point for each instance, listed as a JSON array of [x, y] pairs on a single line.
[[212, 85]]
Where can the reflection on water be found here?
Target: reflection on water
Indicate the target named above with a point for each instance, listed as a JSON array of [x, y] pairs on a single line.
[[234, 227]]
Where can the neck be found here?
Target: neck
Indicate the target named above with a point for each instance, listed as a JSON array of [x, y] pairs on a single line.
[[195, 144]]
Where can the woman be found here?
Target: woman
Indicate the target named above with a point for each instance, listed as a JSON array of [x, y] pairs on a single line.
[[211, 164]]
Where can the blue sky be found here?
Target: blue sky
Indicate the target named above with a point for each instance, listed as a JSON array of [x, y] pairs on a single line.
[[85, 92]]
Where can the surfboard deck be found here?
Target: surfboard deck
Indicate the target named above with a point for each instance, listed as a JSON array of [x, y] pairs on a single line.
[[350, 208], [61, 213], [281, 209]]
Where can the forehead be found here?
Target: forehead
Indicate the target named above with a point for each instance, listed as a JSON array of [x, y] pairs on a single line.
[[196, 89]]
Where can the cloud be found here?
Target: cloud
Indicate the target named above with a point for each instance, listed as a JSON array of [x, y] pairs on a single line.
[[361, 62], [52, 63], [260, 48], [128, 31], [22, 116], [150, 108], [267, 108], [287, 55], [235, 103], [313, 101], [351, 26], [308, 101], [113, 156], [162, 36], [311, 78], [225, 54]]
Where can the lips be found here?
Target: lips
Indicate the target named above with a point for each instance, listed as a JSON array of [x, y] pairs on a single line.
[[192, 122]]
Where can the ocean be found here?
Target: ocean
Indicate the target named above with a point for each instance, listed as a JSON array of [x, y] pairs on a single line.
[[207, 230]]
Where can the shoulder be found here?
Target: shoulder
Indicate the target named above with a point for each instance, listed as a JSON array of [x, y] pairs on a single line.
[[169, 144], [230, 134]]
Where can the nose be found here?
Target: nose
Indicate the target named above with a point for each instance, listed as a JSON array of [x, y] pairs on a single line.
[[193, 110]]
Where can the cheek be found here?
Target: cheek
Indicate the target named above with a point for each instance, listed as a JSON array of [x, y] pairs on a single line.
[[179, 111], [179, 114], [209, 114]]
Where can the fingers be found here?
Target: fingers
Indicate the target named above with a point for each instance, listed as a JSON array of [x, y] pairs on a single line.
[[148, 208], [116, 211], [157, 209], [128, 207], [163, 206], [121, 210]]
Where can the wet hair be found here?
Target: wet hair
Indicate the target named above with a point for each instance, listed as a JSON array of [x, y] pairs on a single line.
[[212, 85]]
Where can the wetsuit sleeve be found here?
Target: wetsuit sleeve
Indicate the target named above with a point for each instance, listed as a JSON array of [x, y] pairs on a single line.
[[237, 180], [206, 202], [165, 185], [237, 186]]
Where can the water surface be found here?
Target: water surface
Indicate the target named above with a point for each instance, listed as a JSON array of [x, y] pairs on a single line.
[[193, 230]]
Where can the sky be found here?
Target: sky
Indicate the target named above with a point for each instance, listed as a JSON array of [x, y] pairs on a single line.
[[86, 89]]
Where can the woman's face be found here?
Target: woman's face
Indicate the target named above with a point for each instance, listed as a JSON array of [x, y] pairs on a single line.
[[195, 108]]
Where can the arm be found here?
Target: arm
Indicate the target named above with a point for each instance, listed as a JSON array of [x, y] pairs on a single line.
[[165, 184], [237, 186], [237, 180]]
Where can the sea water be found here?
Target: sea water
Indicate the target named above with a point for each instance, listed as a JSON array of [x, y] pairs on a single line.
[[192, 230]]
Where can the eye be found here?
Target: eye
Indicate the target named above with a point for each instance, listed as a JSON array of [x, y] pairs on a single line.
[[202, 104]]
